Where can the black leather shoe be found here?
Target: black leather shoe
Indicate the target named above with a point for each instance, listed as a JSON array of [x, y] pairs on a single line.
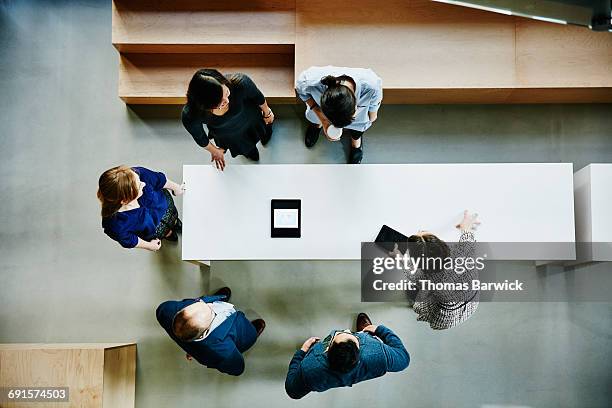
[[224, 291], [356, 154], [312, 135], [260, 325], [178, 226], [266, 138], [253, 155], [363, 320]]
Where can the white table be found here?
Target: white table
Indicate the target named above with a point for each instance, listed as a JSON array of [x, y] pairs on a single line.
[[593, 202], [226, 215]]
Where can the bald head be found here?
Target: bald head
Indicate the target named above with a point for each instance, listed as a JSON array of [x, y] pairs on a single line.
[[191, 322]]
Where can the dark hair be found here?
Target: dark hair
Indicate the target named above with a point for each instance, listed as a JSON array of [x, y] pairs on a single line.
[[429, 246], [343, 356], [184, 328], [205, 90], [338, 101]]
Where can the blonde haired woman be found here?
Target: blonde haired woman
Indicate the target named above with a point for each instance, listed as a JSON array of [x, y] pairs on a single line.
[[137, 208]]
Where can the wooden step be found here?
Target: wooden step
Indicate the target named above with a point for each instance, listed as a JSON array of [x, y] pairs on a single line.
[[198, 26], [163, 78]]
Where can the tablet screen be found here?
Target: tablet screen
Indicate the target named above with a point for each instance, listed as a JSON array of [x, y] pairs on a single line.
[[285, 218]]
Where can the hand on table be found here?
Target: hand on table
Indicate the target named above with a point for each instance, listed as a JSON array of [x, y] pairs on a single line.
[[217, 156], [179, 189]]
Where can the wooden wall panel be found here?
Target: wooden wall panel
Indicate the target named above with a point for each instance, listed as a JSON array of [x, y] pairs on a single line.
[[410, 44], [554, 55]]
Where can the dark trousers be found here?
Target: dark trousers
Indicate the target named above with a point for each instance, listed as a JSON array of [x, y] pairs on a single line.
[[355, 134]]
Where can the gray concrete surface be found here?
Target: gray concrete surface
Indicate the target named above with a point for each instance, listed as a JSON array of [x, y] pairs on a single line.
[[63, 280]]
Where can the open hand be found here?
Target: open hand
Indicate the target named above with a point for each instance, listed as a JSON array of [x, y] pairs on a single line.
[[469, 221], [218, 157]]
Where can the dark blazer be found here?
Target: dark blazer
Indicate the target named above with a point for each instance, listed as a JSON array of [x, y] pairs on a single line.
[[217, 350]]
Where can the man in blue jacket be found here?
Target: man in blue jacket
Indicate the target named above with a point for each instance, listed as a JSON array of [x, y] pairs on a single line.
[[345, 358], [211, 330]]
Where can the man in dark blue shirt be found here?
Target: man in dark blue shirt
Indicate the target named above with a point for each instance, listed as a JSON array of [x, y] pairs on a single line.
[[211, 330], [345, 358]]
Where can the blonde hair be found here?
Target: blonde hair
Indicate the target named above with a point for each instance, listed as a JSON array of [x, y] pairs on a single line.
[[116, 186]]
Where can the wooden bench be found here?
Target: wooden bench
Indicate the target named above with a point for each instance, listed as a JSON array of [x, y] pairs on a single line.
[[97, 375]]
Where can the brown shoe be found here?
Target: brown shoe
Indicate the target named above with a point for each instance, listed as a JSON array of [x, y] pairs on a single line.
[[362, 321], [260, 325], [224, 291]]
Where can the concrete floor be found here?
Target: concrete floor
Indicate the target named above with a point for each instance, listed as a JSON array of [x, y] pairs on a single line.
[[63, 280]]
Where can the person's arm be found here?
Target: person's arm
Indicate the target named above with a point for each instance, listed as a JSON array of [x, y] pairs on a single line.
[[376, 98], [397, 356], [130, 240], [175, 188], [195, 128], [465, 247], [295, 386], [325, 123], [301, 89], [266, 111], [152, 245], [230, 359], [253, 93]]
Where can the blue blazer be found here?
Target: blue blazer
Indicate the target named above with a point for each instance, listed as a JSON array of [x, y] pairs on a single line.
[[217, 350]]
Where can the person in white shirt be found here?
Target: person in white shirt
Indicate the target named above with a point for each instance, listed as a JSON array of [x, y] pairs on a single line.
[[340, 99]]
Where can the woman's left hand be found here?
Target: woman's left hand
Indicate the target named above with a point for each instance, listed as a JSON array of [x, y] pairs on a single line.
[[179, 189], [268, 117]]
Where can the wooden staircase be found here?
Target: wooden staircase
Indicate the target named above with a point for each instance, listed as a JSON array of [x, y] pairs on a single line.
[[426, 52]]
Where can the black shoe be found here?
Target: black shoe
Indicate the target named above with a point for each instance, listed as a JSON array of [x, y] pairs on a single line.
[[260, 325], [312, 135], [178, 226], [253, 155], [363, 320], [224, 291], [356, 154], [173, 237], [266, 138]]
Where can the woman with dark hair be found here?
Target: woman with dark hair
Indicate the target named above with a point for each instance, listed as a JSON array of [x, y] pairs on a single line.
[[137, 208], [234, 110], [337, 99]]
